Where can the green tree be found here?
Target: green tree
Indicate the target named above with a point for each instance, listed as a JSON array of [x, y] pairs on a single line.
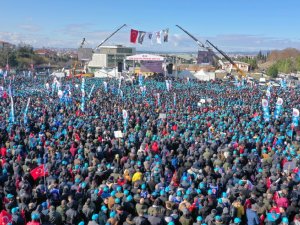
[[297, 63], [285, 65], [273, 71]]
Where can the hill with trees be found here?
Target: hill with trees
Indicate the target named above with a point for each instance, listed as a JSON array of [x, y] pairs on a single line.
[[281, 61], [22, 56]]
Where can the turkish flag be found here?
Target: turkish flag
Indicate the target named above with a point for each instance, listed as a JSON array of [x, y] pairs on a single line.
[[38, 172], [133, 35], [5, 217]]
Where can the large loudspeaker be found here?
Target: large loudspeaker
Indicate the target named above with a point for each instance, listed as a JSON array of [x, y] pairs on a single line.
[[170, 68], [120, 67]]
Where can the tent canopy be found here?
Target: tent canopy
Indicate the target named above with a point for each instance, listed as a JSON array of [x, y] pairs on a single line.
[[102, 73], [145, 57]]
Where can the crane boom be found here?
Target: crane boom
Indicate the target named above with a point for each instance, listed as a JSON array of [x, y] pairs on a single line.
[[241, 73], [199, 43], [111, 35], [82, 43]]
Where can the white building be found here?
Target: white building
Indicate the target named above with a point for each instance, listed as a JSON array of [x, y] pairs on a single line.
[[227, 66], [109, 57]]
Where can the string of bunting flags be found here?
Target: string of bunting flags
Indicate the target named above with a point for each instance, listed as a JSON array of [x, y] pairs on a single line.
[[139, 36]]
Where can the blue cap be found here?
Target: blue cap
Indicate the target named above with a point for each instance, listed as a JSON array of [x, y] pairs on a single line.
[[119, 188], [44, 204], [113, 193], [129, 198], [83, 184], [217, 217], [77, 180], [126, 192], [167, 189], [112, 214], [105, 189], [179, 193], [9, 196], [224, 195], [199, 218], [143, 186], [95, 217], [35, 216], [117, 200], [103, 208], [81, 223], [285, 220], [14, 210], [237, 220], [171, 223]]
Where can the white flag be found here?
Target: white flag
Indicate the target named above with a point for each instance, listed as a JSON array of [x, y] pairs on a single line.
[[295, 112], [158, 37], [125, 114]]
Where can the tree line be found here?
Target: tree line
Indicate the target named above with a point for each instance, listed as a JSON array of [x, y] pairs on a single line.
[[22, 56]]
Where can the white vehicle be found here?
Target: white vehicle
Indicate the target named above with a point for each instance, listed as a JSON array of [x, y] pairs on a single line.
[[262, 81], [275, 84]]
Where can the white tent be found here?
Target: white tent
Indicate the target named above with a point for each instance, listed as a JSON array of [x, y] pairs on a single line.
[[145, 57], [103, 73], [58, 74], [186, 74], [203, 75]]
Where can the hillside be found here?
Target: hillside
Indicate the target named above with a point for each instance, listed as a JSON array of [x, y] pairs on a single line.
[[287, 53], [282, 61]]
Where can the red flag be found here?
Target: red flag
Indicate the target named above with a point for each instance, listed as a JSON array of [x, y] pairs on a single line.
[[133, 35], [5, 217], [38, 172]]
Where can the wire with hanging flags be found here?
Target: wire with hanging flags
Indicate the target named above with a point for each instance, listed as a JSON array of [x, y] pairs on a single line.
[[139, 36]]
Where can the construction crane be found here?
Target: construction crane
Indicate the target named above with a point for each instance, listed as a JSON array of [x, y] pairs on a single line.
[[201, 45], [241, 73], [110, 36], [82, 43]]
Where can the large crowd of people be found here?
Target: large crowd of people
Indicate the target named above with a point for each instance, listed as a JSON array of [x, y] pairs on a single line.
[[199, 153]]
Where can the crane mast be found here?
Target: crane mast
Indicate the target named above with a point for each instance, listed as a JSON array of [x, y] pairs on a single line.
[[240, 72]]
